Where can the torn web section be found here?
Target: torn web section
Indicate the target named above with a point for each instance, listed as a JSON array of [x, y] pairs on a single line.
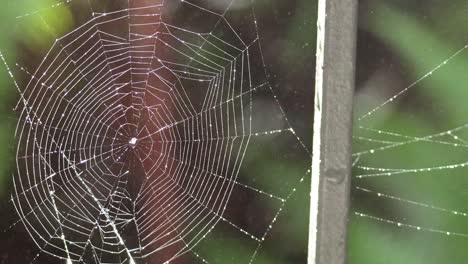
[[145, 115], [409, 139]]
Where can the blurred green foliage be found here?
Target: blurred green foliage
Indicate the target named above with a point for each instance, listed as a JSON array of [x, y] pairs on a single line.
[[6, 93], [35, 31], [43, 29]]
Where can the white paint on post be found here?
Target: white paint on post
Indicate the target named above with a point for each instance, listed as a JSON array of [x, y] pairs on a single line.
[[316, 148]]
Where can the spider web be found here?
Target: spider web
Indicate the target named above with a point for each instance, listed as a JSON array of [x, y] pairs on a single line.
[[133, 130], [409, 169]]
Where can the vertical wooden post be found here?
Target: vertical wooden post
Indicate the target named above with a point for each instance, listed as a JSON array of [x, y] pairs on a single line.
[[331, 162]]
